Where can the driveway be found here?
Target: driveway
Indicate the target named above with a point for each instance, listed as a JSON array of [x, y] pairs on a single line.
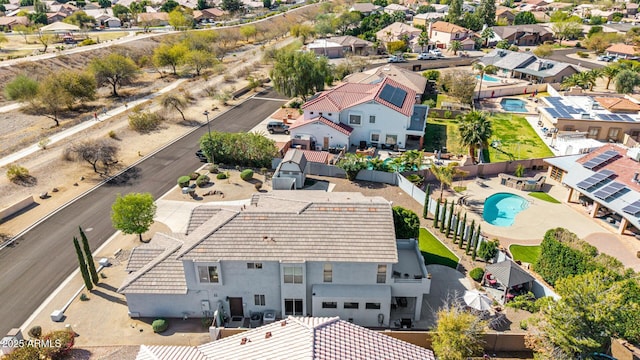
[[43, 257]]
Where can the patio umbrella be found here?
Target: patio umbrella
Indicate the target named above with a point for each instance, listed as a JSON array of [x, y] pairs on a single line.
[[476, 300]]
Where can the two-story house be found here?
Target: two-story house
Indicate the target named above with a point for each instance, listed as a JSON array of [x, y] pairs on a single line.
[[443, 33], [384, 114], [300, 253], [398, 31]]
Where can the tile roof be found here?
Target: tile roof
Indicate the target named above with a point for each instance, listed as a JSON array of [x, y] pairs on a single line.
[[446, 27], [280, 227], [345, 129], [163, 352], [623, 166], [350, 40], [415, 81], [316, 156], [507, 31], [396, 30], [141, 256], [622, 49], [297, 157], [612, 104], [298, 338], [347, 95], [509, 273]]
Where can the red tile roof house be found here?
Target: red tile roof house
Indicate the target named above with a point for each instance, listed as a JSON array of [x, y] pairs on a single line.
[[308, 338], [443, 33], [623, 50], [385, 114]]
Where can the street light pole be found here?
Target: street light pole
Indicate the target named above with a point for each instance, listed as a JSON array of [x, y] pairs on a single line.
[[206, 113]]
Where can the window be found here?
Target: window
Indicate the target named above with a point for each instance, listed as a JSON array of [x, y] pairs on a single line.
[[293, 306], [208, 274], [391, 139], [311, 112], [457, 36], [351, 305], [329, 305], [614, 133], [254, 265], [569, 128], [292, 275], [635, 135], [382, 274], [372, 119], [372, 306], [259, 300], [593, 132], [355, 119], [556, 174], [328, 273], [375, 138]]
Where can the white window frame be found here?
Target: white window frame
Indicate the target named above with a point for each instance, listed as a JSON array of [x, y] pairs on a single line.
[[381, 275], [329, 305], [254, 265], [371, 137], [293, 306], [386, 139], [372, 306], [259, 300], [372, 119], [359, 123], [327, 273], [206, 276], [292, 275], [353, 305]]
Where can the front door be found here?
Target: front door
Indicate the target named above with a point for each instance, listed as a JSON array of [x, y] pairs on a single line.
[[235, 307], [325, 143]]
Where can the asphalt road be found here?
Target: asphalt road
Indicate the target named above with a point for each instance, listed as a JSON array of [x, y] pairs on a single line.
[[430, 64], [41, 259]]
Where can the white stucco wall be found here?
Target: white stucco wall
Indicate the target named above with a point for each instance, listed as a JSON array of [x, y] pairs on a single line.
[[387, 122], [319, 131], [310, 114], [288, 169]]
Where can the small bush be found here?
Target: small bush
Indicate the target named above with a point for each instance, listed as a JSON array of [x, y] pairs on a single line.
[[263, 171], [476, 274], [221, 176], [206, 322], [42, 144], [238, 167], [159, 325], [578, 45], [246, 174], [202, 180], [103, 276], [194, 175], [447, 114], [258, 186], [144, 121], [35, 332], [582, 54], [523, 324], [525, 302], [213, 169], [184, 181], [84, 297], [17, 173], [112, 134], [61, 343], [86, 42]]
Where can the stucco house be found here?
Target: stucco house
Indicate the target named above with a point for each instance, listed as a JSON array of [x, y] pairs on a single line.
[[408, 78], [397, 31], [8, 22], [291, 172], [365, 8], [623, 50], [339, 46], [505, 14], [302, 253], [426, 18], [384, 114], [443, 33], [524, 65], [521, 35]]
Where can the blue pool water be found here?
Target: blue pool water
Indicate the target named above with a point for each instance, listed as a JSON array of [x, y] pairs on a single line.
[[513, 105], [486, 77], [501, 209]]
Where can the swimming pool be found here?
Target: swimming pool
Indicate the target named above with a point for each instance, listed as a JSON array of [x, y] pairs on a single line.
[[487, 78], [501, 209], [513, 105]]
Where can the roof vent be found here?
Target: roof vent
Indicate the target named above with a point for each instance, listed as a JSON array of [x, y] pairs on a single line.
[[283, 323], [267, 335], [636, 178], [244, 341]]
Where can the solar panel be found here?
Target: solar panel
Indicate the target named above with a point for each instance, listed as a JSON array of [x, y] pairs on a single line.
[[609, 191], [614, 117], [393, 95], [552, 112], [600, 159], [633, 208], [626, 118], [595, 179], [604, 117]]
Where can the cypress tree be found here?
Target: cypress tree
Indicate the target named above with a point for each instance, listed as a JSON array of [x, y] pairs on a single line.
[[87, 254], [475, 245], [425, 210], [470, 239], [83, 265], [456, 222], [462, 233], [450, 223], [436, 214], [444, 216]]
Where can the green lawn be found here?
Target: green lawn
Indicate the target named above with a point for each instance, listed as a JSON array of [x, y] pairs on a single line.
[[528, 254], [434, 251], [544, 197], [517, 139]]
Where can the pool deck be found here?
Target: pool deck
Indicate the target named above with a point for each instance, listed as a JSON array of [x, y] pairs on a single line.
[[531, 224]]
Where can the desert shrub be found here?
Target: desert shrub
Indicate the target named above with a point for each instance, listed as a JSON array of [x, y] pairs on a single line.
[[184, 181], [202, 180], [42, 144], [206, 322], [263, 171], [213, 169], [144, 121], [159, 325], [112, 134], [194, 175], [258, 186], [35, 332], [17, 173], [525, 302], [61, 343], [246, 174], [582, 54], [476, 274], [295, 104], [416, 179], [23, 353], [523, 324], [84, 297], [221, 176], [86, 42]]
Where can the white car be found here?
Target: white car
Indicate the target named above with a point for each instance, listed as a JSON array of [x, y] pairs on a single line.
[[426, 56], [436, 52]]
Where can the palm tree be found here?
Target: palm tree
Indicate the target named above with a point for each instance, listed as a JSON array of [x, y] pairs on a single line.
[[592, 76], [609, 72], [487, 34], [475, 131], [581, 79], [423, 40], [455, 46], [445, 174], [478, 66]]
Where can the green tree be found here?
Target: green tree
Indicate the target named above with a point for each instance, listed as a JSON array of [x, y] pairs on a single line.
[[475, 131], [425, 209], [503, 44], [89, 257], [352, 164], [432, 75], [488, 250], [394, 47], [423, 9], [406, 223], [244, 149], [450, 222], [463, 231], [487, 34], [543, 51], [169, 5], [472, 236], [231, 6], [299, 73], [170, 55], [524, 17], [456, 224], [83, 265], [626, 81], [199, 60], [303, 31], [455, 11], [610, 72], [423, 40], [487, 12], [180, 20], [444, 216], [346, 20], [599, 42], [566, 30], [445, 174], [120, 11], [203, 4], [248, 31], [436, 215], [24, 31], [458, 334], [459, 85], [115, 70], [481, 70], [104, 3], [133, 213], [455, 46], [594, 30], [474, 246], [21, 88], [81, 19], [170, 101]]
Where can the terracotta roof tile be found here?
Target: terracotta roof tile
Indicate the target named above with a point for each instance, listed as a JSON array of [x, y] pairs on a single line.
[[345, 129], [623, 166], [622, 49], [621, 104], [446, 27]]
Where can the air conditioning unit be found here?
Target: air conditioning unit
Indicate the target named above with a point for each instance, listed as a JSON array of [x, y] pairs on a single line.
[[634, 153], [204, 305]]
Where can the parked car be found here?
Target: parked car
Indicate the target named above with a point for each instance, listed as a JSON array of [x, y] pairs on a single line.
[[606, 58], [426, 56], [396, 59], [436, 52], [201, 156], [277, 127]]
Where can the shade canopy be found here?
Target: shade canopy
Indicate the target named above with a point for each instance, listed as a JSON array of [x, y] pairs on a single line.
[[509, 273], [477, 300], [59, 27]]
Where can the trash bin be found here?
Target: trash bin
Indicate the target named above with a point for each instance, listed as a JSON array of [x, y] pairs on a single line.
[[255, 320]]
